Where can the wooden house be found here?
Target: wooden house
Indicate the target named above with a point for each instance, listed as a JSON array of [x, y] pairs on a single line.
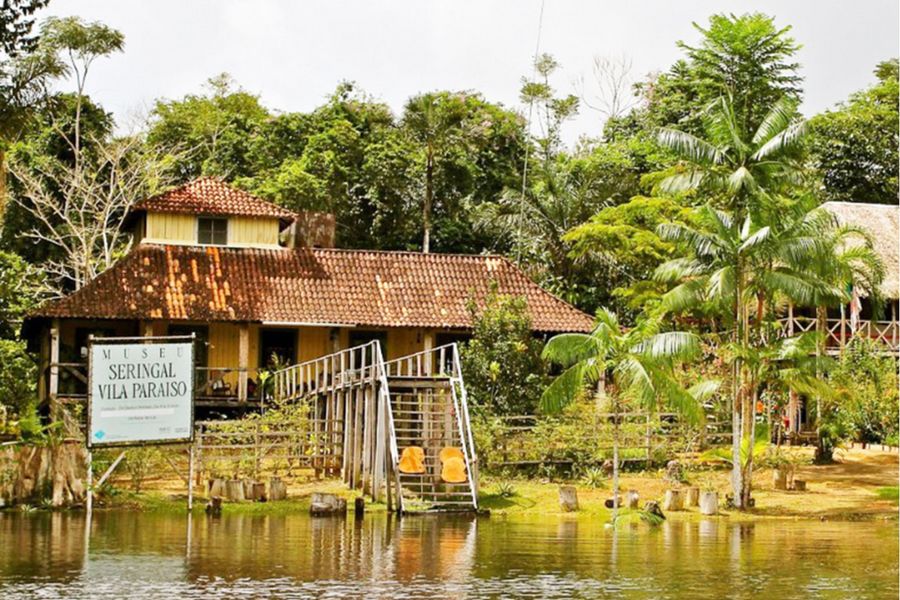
[[260, 286]]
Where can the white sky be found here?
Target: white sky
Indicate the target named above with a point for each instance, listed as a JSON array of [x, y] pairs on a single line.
[[294, 53]]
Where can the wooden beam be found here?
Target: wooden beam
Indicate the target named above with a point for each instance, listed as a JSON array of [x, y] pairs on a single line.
[[54, 364], [243, 359]]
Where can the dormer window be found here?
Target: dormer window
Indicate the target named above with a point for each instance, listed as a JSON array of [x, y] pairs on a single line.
[[212, 231]]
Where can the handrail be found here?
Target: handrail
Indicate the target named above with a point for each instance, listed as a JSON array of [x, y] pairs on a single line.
[[312, 376], [384, 395], [418, 362], [465, 425]]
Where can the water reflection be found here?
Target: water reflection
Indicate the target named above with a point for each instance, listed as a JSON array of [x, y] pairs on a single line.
[[154, 555]]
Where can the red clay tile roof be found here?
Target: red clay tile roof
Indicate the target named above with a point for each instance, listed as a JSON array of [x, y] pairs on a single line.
[[211, 196], [303, 285]]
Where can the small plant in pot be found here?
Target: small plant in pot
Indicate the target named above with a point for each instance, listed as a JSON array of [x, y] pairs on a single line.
[[782, 469]]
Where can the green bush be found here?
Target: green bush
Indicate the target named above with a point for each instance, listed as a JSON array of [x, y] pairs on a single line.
[[502, 363], [866, 403], [18, 378]]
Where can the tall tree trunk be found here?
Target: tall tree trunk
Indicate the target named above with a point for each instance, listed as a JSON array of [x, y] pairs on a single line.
[[429, 199], [615, 458], [3, 188], [749, 426], [737, 485], [822, 330]]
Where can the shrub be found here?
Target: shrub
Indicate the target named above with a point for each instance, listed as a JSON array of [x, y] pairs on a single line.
[[502, 362], [18, 376], [866, 404]]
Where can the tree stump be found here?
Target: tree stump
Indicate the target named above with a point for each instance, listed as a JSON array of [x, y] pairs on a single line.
[[359, 506], [692, 496], [632, 499], [652, 508], [277, 489], [709, 503], [799, 485], [568, 498], [214, 507], [327, 504], [674, 500], [234, 490], [779, 479], [258, 491], [248, 488], [216, 487]]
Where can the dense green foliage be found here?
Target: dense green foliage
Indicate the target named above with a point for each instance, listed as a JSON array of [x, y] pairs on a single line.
[[866, 393], [855, 146], [501, 363]]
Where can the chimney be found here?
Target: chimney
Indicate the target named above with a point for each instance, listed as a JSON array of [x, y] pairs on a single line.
[[313, 230]]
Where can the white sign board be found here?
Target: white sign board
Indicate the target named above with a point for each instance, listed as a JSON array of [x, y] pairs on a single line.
[[140, 393]]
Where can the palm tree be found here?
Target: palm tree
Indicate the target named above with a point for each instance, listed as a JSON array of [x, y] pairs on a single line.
[[636, 364], [744, 270], [435, 122], [741, 172]]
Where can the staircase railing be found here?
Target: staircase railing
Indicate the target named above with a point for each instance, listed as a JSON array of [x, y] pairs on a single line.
[[444, 361], [385, 431]]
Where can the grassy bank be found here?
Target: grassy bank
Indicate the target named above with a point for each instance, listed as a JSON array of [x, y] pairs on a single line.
[[862, 484]]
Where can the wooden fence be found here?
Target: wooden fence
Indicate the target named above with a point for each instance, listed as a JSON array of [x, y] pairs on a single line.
[[529, 440]]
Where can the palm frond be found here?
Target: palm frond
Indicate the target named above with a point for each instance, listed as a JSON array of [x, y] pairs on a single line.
[[688, 147], [565, 388], [566, 349], [779, 117], [782, 142], [679, 345]]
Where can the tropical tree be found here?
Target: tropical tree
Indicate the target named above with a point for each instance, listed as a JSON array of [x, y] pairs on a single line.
[[748, 58], [25, 71], [740, 273], [618, 365], [854, 146], [435, 121]]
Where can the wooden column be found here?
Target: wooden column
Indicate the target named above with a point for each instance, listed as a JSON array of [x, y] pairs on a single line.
[[243, 359], [53, 383], [428, 345], [793, 398], [44, 367]]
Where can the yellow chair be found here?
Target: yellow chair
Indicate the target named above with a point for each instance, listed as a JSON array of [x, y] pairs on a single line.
[[453, 470], [412, 461], [450, 452]]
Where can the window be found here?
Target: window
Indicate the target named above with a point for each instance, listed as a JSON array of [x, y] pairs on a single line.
[[212, 231]]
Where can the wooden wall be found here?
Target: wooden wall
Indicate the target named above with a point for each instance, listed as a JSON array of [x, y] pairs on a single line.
[[182, 229], [171, 228], [401, 342], [249, 231]]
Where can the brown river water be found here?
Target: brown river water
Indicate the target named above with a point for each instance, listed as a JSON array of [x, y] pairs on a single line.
[[147, 555]]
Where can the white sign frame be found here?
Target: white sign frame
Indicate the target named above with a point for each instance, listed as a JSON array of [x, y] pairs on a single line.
[[143, 341]]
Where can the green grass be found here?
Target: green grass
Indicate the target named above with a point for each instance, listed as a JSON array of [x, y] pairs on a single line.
[[891, 493]]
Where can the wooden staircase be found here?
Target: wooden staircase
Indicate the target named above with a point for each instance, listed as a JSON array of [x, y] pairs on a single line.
[[381, 408], [429, 410]]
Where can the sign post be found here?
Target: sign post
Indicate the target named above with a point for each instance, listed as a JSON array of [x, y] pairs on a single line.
[[140, 392]]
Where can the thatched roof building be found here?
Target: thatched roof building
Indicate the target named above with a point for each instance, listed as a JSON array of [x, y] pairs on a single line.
[[883, 221]]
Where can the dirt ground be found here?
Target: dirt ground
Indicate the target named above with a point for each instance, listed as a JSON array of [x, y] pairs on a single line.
[[845, 490]]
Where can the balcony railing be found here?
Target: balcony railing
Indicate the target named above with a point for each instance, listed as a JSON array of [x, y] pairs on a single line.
[[839, 333]]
